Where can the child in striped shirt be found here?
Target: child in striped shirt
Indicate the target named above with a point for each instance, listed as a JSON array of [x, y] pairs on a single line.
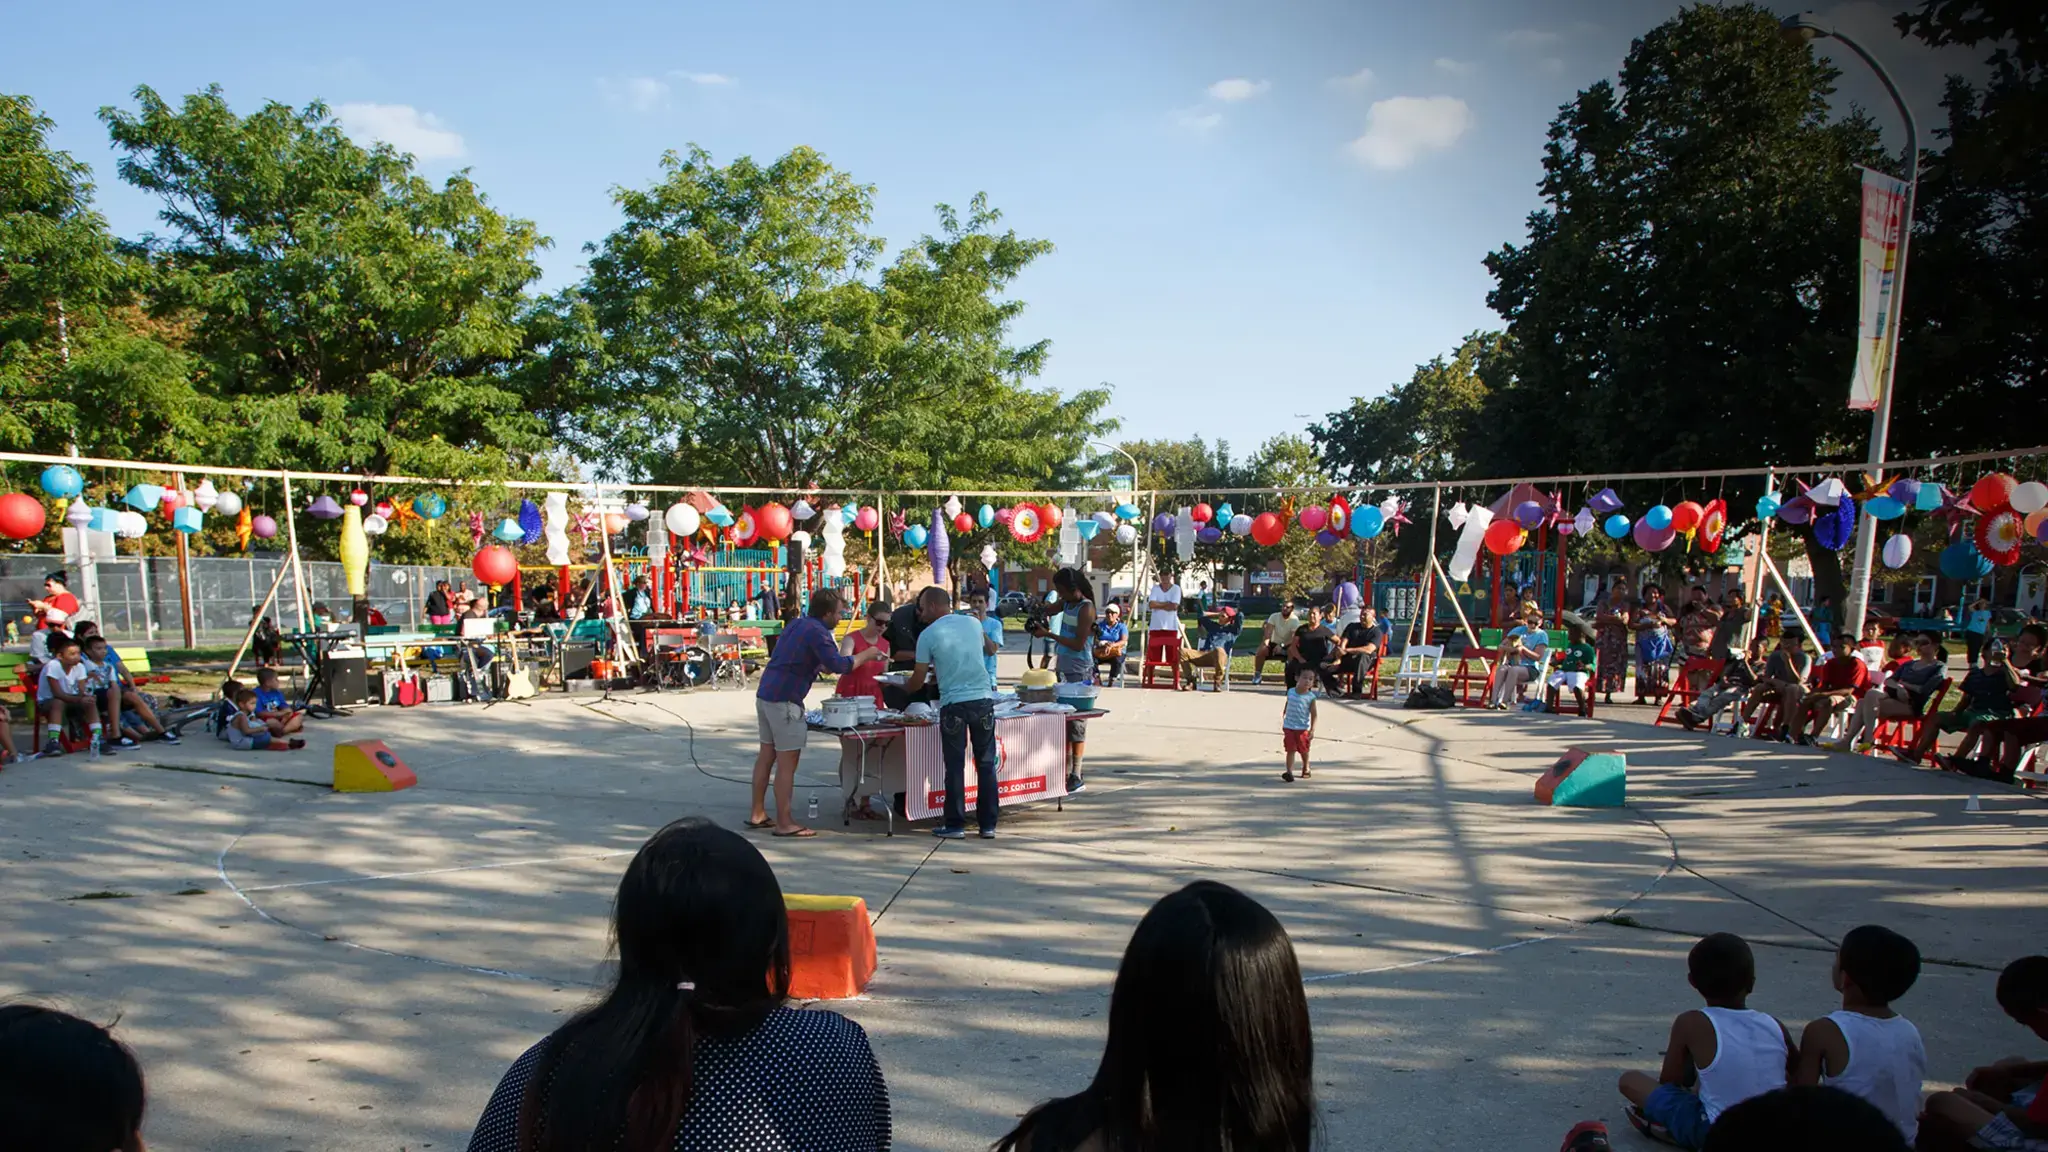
[[1298, 723]]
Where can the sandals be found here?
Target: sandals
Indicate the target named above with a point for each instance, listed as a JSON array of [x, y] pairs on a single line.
[[1649, 1127], [797, 834], [757, 825], [1586, 1136]]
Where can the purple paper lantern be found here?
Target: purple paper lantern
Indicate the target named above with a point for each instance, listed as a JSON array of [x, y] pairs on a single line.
[[1654, 539], [324, 508], [1529, 514], [1796, 511], [263, 527], [1163, 523], [1326, 539], [1208, 534], [1905, 490], [1604, 502]]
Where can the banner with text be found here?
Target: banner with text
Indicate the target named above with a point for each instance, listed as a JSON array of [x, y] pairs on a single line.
[[1884, 214]]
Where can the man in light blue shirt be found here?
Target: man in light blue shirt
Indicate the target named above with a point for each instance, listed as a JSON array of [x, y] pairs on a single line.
[[953, 647]]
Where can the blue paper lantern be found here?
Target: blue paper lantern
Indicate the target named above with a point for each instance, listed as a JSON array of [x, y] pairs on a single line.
[[986, 516], [509, 531], [1127, 511], [1087, 527], [529, 522], [187, 519], [1367, 522], [104, 519], [1617, 526], [1658, 517], [143, 497], [1884, 508], [1962, 561], [1326, 538], [430, 506], [720, 515], [1767, 505], [1835, 527], [1223, 514], [915, 536], [1928, 498], [62, 481]]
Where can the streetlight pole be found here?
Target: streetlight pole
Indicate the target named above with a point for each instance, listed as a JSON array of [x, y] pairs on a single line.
[[1145, 533], [1804, 28]]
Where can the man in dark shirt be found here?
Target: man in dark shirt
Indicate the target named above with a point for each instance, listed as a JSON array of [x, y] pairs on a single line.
[[1359, 650], [904, 629]]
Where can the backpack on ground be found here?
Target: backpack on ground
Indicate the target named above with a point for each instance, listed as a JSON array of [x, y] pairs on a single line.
[[1431, 696]]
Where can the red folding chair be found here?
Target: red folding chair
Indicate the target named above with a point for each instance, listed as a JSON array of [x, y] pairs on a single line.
[[1162, 653], [1681, 691], [1902, 733], [1464, 677]]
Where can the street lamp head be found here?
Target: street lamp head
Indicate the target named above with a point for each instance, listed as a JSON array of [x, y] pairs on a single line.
[[1804, 28]]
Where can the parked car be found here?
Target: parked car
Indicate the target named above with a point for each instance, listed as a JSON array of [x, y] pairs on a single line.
[[1011, 603]]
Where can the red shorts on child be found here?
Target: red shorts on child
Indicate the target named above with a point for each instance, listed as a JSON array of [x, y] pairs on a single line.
[[1295, 739]]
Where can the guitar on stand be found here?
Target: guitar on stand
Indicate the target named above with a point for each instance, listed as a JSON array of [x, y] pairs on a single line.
[[518, 682]]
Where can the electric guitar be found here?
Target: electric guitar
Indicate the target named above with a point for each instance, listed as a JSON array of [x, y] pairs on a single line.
[[518, 682]]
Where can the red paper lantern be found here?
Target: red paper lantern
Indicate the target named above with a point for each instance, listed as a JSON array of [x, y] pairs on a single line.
[[495, 566], [1202, 513], [1267, 529], [21, 516], [963, 523], [1314, 517], [772, 522], [1991, 493], [1049, 515], [1504, 537], [1685, 516]]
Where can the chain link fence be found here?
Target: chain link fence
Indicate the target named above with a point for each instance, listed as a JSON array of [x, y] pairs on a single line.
[[139, 595]]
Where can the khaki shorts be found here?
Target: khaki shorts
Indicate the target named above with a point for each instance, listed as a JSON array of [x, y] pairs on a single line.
[[782, 724]]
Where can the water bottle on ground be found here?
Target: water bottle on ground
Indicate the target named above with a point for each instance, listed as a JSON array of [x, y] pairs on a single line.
[[93, 752], [814, 806]]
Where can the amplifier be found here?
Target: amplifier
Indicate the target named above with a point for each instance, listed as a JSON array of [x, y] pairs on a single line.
[[576, 660], [348, 680]]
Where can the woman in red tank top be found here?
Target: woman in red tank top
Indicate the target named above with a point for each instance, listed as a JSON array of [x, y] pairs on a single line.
[[871, 634]]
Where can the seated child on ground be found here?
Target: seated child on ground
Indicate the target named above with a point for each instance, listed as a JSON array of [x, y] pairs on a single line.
[[1718, 1056], [2002, 1105], [62, 694], [272, 708], [248, 732], [1867, 1048]]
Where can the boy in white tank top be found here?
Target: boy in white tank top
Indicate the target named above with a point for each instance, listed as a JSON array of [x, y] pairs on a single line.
[[1717, 1057], [1866, 1048]]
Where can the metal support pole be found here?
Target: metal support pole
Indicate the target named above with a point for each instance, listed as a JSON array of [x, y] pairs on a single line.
[[184, 568], [1763, 554], [1428, 604], [302, 600]]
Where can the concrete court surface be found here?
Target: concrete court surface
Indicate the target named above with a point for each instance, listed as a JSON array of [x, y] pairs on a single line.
[[312, 971]]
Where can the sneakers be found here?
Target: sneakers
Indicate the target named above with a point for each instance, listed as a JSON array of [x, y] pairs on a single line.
[[53, 747], [1076, 785], [169, 737], [987, 833], [125, 742], [950, 833]]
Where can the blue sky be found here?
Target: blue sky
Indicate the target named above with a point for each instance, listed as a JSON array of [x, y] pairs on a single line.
[[1260, 211]]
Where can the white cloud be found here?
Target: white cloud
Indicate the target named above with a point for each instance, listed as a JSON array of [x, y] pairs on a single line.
[[1355, 82], [1530, 38], [1235, 89], [1398, 131], [1455, 67], [1551, 65], [639, 93], [705, 79], [1198, 119], [402, 126]]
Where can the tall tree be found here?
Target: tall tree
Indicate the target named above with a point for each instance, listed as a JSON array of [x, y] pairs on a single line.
[[733, 329], [1422, 429], [1688, 294], [354, 316]]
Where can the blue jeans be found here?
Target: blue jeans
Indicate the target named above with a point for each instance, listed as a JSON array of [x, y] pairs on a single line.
[[957, 723], [1679, 1110]]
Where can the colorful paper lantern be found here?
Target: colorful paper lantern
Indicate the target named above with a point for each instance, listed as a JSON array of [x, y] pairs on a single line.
[[1240, 525], [1327, 538], [143, 497], [1929, 497], [867, 519], [1366, 522], [205, 496], [1651, 538], [358, 497], [1828, 493], [2036, 522], [1339, 519], [1202, 513], [1834, 527], [939, 546], [21, 516], [355, 551], [1713, 524], [1208, 533], [1685, 516], [1604, 502], [2029, 498], [1905, 490], [495, 566], [1268, 529], [1049, 514], [62, 481], [914, 536], [1962, 561], [1504, 537], [509, 531], [244, 528], [721, 515], [263, 527], [1585, 522], [1126, 535], [963, 523], [1127, 511], [1999, 536], [1898, 550], [530, 527], [1104, 521], [985, 516], [638, 512], [430, 505], [746, 527], [188, 520], [1658, 517], [325, 508], [1616, 527], [772, 522], [1796, 511], [1528, 514], [1313, 517], [1225, 513], [1884, 508], [615, 523], [227, 504], [1087, 526], [1767, 505], [1992, 492], [799, 511], [1163, 523], [1026, 525], [79, 514]]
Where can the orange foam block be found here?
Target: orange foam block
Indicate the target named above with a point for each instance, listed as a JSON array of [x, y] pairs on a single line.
[[831, 946], [369, 766]]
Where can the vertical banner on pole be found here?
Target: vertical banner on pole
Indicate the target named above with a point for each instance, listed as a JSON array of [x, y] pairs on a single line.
[[1883, 216]]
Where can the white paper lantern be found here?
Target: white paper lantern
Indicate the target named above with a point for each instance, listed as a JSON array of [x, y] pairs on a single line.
[[227, 504], [1898, 550], [1583, 522], [1456, 514], [657, 539], [1469, 538], [1828, 493], [1390, 507], [1240, 525], [2030, 497], [205, 496], [802, 510], [833, 555], [79, 514], [683, 520], [988, 555], [1125, 534], [132, 525], [374, 525], [952, 507], [555, 528]]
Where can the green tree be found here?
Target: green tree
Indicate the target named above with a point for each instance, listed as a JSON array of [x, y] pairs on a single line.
[[348, 313], [1422, 429], [735, 324]]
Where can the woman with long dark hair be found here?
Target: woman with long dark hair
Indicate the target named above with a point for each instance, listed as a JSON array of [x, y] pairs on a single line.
[[1073, 635], [66, 1085], [1209, 1047], [691, 1048]]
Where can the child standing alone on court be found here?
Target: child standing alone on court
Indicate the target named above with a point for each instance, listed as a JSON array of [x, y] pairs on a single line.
[[1717, 1057], [1298, 723], [1866, 1048]]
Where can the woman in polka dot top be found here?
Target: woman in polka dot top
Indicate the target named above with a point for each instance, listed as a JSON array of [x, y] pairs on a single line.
[[692, 1048]]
